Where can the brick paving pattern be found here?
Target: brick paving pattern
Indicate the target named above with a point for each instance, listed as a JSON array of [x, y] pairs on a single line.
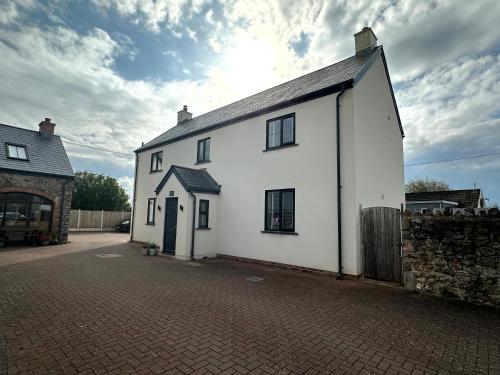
[[77, 313]]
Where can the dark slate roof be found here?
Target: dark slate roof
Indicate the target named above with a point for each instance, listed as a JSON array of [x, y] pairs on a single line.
[[465, 198], [193, 180], [317, 82], [46, 154]]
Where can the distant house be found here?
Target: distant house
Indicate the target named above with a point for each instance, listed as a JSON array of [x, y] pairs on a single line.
[[36, 182], [471, 198], [278, 176]]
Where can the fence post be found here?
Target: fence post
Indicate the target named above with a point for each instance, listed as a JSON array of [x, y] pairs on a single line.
[[102, 217], [78, 222], [123, 215]]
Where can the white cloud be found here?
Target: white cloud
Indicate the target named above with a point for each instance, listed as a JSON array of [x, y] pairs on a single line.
[[453, 104], [152, 13], [127, 183], [11, 11], [191, 34], [439, 53]]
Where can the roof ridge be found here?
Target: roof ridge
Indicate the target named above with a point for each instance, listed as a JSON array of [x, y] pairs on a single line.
[[17, 127], [316, 83], [191, 169], [273, 87], [442, 191], [28, 130]]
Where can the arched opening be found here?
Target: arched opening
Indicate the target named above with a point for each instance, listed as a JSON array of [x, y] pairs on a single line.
[[24, 215]]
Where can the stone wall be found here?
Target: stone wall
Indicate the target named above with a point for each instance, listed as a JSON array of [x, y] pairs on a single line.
[[453, 256], [49, 187]]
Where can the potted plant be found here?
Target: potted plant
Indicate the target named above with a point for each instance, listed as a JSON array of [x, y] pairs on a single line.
[[44, 239], [153, 248], [149, 248], [145, 249]]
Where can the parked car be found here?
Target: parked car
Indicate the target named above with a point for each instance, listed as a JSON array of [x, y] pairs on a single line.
[[124, 226]]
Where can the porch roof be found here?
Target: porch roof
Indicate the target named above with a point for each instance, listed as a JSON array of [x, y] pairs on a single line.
[[193, 180]]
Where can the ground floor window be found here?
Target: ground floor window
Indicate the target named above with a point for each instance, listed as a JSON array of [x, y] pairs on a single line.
[[280, 210], [203, 214], [23, 213], [151, 211]]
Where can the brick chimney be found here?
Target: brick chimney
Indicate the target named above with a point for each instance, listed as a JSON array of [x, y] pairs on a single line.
[[364, 41], [47, 127], [184, 115]]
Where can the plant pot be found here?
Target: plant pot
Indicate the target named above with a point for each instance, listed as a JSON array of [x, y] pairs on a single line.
[[145, 251], [152, 251], [45, 243]]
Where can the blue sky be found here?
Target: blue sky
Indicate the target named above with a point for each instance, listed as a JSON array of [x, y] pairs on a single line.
[[114, 73]]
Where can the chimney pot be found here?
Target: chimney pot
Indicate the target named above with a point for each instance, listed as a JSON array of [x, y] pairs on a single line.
[[364, 41], [184, 115], [46, 127]]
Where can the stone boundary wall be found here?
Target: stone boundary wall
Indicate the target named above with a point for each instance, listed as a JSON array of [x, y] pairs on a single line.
[[453, 254]]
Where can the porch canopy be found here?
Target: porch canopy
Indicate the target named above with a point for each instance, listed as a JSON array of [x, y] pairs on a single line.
[[193, 180]]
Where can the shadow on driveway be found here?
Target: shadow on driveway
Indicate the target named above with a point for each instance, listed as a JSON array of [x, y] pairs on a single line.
[[77, 242], [133, 314]]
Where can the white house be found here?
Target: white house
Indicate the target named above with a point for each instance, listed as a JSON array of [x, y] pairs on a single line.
[[262, 178]]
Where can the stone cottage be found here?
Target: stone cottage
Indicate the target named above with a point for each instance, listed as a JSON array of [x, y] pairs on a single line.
[[36, 183]]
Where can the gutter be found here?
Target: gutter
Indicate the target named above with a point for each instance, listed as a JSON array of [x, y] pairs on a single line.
[[192, 225], [339, 189], [301, 99]]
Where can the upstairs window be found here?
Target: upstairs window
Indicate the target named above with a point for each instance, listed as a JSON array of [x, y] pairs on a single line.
[[280, 210], [281, 131], [16, 152], [203, 151], [151, 211], [203, 214], [156, 160]]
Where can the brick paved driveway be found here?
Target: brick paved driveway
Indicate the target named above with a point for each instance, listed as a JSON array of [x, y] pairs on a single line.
[[76, 313]]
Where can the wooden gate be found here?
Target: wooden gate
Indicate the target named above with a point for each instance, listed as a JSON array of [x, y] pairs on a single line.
[[381, 236]]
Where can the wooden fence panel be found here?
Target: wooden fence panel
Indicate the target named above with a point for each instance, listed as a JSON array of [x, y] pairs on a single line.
[[90, 220], [73, 218], [381, 235]]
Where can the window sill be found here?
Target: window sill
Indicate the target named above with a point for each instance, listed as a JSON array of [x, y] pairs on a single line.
[[279, 232], [203, 162], [280, 147], [157, 171], [14, 158], [203, 228], [150, 223]]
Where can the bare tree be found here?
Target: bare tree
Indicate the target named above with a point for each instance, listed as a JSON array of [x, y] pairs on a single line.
[[419, 185]]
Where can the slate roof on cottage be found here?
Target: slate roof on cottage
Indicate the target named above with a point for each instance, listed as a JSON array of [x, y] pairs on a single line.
[[194, 180], [335, 75], [46, 155], [469, 198]]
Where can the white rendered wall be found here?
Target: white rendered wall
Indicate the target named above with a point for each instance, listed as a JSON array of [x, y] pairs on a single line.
[[378, 145], [206, 239], [239, 164]]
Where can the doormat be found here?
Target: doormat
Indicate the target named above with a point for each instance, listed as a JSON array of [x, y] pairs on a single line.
[[254, 278], [111, 255]]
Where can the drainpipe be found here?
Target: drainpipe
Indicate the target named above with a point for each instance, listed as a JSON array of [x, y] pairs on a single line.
[[132, 217], [339, 189], [192, 225]]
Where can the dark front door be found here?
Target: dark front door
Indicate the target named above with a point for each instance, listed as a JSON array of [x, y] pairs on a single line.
[[170, 226]]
